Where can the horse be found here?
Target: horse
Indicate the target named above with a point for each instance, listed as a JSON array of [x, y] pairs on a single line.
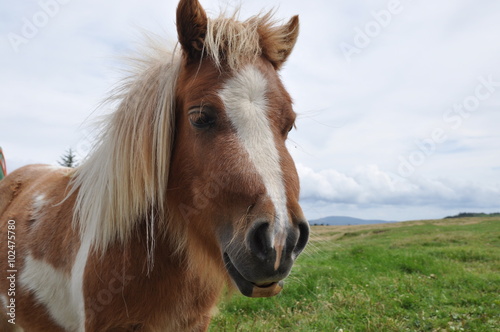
[[188, 192]]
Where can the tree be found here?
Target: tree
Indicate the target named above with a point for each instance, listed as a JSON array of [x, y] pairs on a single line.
[[69, 159]]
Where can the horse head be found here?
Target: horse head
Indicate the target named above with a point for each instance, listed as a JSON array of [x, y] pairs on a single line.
[[232, 179]]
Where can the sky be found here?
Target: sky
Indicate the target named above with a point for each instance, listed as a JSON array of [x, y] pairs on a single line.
[[398, 101]]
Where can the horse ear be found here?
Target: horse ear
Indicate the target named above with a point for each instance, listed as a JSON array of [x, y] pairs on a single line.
[[278, 43], [191, 27]]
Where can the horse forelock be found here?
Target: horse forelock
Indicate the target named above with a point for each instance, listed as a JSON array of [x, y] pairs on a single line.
[[233, 43]]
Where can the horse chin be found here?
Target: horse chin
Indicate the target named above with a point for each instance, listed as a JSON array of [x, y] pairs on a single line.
[[249, 288]]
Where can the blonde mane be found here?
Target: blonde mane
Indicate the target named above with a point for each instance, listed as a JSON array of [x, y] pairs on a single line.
[[124, 179]]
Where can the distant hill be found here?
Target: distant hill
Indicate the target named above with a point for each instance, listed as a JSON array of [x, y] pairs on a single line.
[[342, 220]]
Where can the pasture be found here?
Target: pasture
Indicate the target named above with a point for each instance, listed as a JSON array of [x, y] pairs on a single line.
[[433, 275]]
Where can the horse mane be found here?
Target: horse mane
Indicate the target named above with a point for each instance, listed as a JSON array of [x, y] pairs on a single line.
[[124, 179]]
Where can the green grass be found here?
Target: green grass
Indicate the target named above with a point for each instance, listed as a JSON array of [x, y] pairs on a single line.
[[441, 275]]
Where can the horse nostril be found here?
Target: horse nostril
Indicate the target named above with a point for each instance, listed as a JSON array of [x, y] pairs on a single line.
[[303, 237], [259, 240]]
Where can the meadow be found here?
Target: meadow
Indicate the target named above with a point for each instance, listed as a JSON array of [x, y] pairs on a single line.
[[432, 275]]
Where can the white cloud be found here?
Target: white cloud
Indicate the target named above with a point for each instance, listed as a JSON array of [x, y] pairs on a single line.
[[369, 187]]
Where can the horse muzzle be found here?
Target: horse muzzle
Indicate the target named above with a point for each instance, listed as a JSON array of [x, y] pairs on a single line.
[[260, 261]]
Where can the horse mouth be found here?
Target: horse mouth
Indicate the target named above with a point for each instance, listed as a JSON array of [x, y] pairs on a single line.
[[249, 288]]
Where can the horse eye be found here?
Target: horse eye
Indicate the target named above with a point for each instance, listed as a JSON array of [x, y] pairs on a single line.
[[201, 119]]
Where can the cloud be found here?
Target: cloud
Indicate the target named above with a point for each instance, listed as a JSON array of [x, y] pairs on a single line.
[[370, 186]]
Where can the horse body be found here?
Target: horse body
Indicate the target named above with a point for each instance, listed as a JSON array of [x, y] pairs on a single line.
[[190, 188], [50, 295], [44, 241]]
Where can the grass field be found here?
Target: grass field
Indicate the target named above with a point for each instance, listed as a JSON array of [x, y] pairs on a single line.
[[434, 275]]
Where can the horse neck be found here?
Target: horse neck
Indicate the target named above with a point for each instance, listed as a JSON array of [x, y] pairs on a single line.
[[184, 290], [171, 243]]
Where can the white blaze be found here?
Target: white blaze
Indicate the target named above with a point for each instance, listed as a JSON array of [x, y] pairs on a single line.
[[244, 97]]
